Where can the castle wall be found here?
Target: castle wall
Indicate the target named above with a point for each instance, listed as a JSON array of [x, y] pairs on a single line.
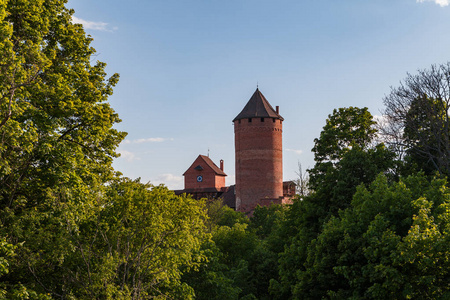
[[259, 161]]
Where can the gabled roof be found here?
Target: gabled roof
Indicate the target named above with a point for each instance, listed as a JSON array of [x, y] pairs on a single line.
[[202, 159], [258, 107]]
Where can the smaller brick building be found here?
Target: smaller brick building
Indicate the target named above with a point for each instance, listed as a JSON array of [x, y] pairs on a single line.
[[204, 179], [203, 173]]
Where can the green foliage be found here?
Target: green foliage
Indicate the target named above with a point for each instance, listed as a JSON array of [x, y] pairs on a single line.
[[135, 245], [345, 158], [388, 244], [6, 250], [14, 291], [150, 235], [57, 141], [221, 215], [267, 219], [211, 281], [236, 243], [335, 184], [77, 231], [345, 129], [226, 274], [242, 255]]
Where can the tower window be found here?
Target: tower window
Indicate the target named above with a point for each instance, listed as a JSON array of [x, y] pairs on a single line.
[[273, 120], [262, 119], [249, 120], [239, 121]]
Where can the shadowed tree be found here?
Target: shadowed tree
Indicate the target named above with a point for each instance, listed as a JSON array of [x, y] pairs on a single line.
[[417, 121]]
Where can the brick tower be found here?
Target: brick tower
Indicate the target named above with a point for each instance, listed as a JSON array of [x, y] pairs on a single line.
[[259, 157]]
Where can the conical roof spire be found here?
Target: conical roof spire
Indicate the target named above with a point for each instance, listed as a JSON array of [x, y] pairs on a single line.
[[258, 107]]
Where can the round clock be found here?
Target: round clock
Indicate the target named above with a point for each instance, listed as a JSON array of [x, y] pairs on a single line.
[[199, 178]]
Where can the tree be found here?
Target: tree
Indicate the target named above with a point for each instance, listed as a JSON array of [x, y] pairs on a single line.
[[56, 125], [220, 214], [302, 182], [391, 243], [14, 290], [417, 119], [144, 237], [241, 258], [345, 129], [267, 222], [346, 156], [57, 139], [22, 60], [427, 143], [211, 281]]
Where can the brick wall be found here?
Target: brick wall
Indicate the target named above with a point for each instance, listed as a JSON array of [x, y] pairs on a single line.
[[259, 161], [209, 178]]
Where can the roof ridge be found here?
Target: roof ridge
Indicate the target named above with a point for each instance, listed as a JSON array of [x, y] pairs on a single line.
[[208, 161], [212, 165]]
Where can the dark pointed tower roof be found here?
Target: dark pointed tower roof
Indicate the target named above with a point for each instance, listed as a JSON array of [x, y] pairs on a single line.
[[258, 107]]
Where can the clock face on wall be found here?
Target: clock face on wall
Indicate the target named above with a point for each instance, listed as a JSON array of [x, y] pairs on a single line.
[[199, 178]]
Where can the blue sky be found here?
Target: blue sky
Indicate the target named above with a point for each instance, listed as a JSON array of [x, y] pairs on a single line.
[[187, 68]]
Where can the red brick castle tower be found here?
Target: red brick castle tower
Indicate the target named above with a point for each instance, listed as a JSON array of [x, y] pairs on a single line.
[[259, 157]]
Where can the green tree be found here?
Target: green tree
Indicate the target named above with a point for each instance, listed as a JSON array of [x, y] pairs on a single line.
[[57, 139], [14, 291], [212, 281], [149, 235], [346, 156], [267, 222], [226, 274], [220, 214], [345, 129], [388, 244], [242, 256], [424, 253]]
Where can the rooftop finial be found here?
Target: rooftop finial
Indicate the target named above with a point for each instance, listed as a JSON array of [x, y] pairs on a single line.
[[257, 85], [208, 152]]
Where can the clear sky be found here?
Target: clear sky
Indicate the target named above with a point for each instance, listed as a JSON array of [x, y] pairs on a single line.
[[187, 68]]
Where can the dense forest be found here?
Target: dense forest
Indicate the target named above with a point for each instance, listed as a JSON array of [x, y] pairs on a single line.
[[371, 221]]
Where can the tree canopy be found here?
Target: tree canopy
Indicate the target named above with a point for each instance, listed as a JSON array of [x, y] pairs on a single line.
[[70, 228], [417, 119]]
